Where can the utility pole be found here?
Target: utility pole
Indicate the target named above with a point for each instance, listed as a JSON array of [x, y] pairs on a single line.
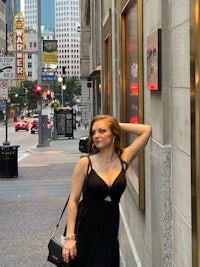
[[40, 132]]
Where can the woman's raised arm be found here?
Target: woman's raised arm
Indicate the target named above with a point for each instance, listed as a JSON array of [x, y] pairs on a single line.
[[143, 132]]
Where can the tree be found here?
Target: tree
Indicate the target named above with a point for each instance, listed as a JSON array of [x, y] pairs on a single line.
[[73, 88], [23, 97]]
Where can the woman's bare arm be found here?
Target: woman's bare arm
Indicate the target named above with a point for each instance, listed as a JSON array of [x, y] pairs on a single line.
[[143, 133], [78, 178]]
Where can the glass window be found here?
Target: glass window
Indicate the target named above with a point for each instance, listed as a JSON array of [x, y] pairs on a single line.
[[131, 71]]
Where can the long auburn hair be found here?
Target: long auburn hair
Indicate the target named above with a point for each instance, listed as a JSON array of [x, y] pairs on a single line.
[[115, 129]]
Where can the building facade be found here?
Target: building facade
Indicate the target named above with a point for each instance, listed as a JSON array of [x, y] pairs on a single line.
[[31, 58], [3, 25], [62, 17], [86, 107], [30, 10], [11, 7], [66, 33], [144, 66], [31, 14]]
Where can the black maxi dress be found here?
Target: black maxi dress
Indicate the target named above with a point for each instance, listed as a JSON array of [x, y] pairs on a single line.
[[97, 242]]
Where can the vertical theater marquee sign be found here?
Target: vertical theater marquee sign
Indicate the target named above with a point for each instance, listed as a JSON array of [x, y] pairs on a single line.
[[19, 46]]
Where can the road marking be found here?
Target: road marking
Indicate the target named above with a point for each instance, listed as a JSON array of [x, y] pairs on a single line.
[[22, 156], [35, 165], [53, 152]]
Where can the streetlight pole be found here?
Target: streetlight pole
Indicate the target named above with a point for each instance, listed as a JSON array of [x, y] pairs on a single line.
[[63, 88], [6, 142], [40, 132], [60, 80]]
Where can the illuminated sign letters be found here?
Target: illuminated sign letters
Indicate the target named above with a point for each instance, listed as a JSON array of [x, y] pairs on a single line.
[[19, 46]]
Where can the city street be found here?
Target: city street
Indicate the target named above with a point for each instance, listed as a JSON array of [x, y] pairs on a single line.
[[30, 204]]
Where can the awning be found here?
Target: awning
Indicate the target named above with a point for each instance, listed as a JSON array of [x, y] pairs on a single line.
[[96, 71]]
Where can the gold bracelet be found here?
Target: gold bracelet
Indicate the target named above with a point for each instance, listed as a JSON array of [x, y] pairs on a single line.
[[70, 237]]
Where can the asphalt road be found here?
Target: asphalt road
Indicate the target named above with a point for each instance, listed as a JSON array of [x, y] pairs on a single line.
[[30, 204]]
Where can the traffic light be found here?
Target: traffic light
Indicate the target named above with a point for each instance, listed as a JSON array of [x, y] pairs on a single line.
[[48, 93], [89, 82], [64, 70], [38, 89]]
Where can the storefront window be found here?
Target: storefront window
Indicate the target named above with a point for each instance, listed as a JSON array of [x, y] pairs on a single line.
[[131, 72]]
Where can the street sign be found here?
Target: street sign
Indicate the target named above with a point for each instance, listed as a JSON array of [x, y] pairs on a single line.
[[49, 77], [7, 68], [3, 89]]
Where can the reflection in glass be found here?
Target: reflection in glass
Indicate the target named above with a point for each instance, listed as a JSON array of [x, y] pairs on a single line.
[[131, 48]]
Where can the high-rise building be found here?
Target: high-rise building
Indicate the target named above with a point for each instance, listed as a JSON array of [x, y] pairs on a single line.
[[30, 14], [12, 6], [17, 5], [66, 25], [47, 14], [63, 16]]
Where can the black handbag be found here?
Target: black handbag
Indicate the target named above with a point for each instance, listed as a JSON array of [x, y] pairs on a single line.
[[55, 247], [55, 253]]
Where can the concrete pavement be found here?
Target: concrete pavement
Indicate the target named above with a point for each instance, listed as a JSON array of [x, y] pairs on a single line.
[[64, 144], [30, 204]]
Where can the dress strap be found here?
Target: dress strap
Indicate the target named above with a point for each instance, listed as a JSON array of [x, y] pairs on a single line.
[[89, 167], [86, 177], [124, 165]]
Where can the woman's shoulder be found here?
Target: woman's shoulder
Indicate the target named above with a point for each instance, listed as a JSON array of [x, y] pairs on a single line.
[[81, 166], [83, 161]]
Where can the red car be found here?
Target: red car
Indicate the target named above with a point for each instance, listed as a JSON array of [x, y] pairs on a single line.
[[21, 125]]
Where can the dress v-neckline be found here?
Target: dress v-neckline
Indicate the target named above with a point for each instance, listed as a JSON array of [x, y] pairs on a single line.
[[104, 180]]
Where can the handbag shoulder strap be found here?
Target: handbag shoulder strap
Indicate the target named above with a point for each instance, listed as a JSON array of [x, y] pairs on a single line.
[[57, 225], [63, 211]]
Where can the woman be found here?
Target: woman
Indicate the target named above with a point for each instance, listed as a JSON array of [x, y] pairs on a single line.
[[97, 243]]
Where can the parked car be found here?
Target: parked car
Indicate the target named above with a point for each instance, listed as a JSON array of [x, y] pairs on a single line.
[[34, 126], [21, 125], [35, 114], [83, 144]]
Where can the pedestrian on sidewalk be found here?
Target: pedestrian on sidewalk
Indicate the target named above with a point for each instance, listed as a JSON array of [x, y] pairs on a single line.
[[96, 243]]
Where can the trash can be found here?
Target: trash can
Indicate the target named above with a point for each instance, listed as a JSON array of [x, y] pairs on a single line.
[[8, 161]]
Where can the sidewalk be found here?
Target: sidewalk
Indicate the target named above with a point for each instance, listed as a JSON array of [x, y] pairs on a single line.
[[64, 144], [31, 203]]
